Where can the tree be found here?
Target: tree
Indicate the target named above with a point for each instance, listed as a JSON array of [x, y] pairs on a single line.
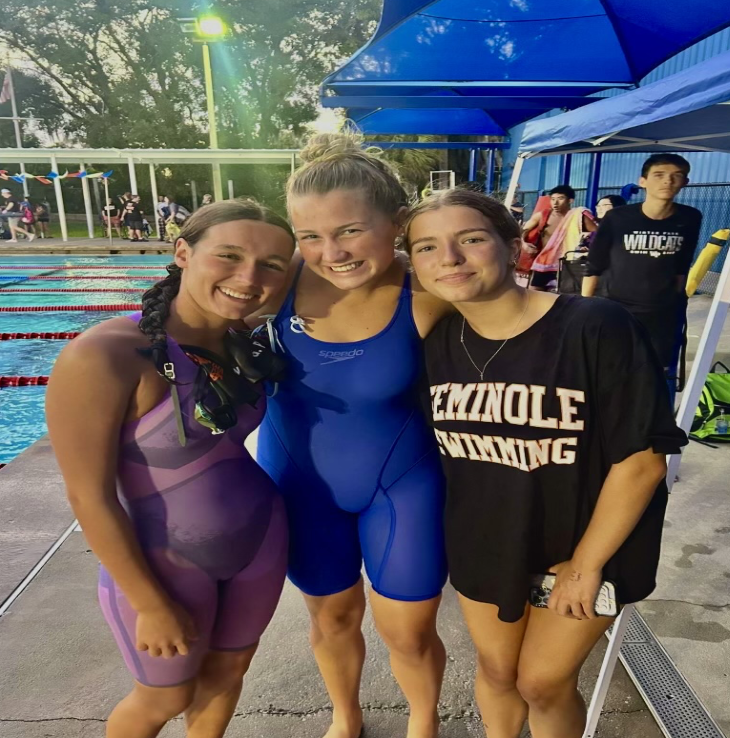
[[125, 75]]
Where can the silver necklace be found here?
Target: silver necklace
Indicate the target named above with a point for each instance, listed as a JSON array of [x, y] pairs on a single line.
[[501, 346]]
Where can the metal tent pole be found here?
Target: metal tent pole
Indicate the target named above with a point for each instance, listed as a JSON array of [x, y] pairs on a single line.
[[567, 165], [510, 196], [594, 179], [703, 362], [472, 165]]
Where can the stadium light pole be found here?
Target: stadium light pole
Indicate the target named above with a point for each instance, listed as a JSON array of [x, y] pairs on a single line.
[[205, 30]]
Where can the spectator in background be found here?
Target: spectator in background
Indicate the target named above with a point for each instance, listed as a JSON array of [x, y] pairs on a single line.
[[123, 200], [517, 208], [42, 218], [134, 214], [163, 213], [12, 212], [645, 250], [207, 200], [608, 203], [112, 214], [562, 232], [27, 218]]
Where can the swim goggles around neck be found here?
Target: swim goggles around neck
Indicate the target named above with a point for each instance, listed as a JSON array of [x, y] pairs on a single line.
[[221, 385]]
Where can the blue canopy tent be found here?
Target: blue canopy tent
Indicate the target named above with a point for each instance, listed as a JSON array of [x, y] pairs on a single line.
[[688, 111], [513, 59]]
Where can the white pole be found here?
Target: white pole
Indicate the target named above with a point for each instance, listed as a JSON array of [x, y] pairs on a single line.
[[153, 184], [230, 189], [607, 667], [213, 127], [519, 162], [87, 203], [293, 162], [108, 214], [194, 193], [702, 363], [132, 175], [59, 200], [16, 125]]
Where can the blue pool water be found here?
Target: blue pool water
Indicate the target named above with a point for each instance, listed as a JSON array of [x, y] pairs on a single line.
[[22, 408]]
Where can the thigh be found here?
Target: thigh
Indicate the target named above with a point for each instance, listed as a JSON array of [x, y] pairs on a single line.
[[187, 585], [498, 643], [555, 647], [402, 535], [247, 601]]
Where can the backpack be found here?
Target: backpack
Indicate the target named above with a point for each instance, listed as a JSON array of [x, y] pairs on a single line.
[[26, 215], [715, 398], [182, 214]]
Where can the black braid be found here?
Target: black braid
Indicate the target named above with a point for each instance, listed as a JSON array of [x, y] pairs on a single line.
[[155, 312]]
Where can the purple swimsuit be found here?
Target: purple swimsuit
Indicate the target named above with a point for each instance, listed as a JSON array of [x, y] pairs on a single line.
[[211, 524]]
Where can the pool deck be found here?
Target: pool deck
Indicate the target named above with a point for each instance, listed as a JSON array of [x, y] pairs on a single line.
[[62, 674], [82, 247]]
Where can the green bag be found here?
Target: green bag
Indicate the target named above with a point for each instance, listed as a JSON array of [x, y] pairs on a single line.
[[715, 398]]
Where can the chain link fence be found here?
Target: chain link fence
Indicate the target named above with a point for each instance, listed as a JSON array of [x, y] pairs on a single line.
[[712, 200]]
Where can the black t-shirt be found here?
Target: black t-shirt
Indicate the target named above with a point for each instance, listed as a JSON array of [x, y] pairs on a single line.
[[112, 211], [133, 211], [527, 450], [14, 206], [642, 256]]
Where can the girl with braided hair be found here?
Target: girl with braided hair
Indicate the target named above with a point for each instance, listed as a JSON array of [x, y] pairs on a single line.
[[148, 414]]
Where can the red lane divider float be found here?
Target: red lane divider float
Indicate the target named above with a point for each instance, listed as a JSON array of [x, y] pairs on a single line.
[[97, 276], [83, 266], [88, 289], [23, 381], [63, 308], [57, 335]]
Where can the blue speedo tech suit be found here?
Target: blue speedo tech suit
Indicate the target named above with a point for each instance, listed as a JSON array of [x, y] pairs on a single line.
[[346, 442]]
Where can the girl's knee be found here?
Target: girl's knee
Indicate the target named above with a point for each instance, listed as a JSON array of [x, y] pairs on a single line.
[[408, 642], [499, 675], [223, 671], [335, 622], [164, 703], [542, 689]]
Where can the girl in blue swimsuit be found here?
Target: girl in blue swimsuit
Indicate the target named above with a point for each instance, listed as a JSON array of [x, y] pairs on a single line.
[[345, 439]]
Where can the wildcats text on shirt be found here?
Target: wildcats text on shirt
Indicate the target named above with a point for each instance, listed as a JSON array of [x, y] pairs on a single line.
[[513, 404]]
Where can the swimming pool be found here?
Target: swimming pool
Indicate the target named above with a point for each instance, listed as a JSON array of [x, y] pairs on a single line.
[[111, 278]]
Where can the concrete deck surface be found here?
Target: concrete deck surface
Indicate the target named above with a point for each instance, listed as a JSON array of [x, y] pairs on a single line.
[[81, 247], [61, 674]]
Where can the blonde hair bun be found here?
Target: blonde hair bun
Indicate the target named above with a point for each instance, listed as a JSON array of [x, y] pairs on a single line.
[[325, 146]]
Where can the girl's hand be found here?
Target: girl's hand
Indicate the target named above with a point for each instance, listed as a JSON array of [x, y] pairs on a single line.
[[575, 591], [528, 248], [166, 631]]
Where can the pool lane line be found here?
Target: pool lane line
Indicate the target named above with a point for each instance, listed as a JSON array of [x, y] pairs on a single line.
[[121, 308], [117, 268], [36, 570], [92, 276], [75, 289]]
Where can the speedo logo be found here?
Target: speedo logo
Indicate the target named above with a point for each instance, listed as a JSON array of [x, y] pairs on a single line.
[[335, 356]]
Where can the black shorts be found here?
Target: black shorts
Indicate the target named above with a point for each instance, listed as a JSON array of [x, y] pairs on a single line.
[[135, 225]]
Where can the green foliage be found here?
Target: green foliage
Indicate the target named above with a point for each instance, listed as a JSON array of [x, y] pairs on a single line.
[[110, 74]]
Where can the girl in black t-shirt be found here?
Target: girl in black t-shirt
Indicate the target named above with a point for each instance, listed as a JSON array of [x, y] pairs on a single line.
[[552, 420]]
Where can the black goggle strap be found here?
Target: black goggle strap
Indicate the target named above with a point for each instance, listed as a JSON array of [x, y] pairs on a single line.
[[169, 369], [274, 343]]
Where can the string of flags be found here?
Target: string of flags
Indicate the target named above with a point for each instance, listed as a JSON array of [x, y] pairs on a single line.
[[48, 178]]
